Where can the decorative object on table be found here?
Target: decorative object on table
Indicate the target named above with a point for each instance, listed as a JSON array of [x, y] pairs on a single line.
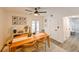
[[21, 31], [17, 20], [26, 28], [42, 30], [14, 31], [30, 33]]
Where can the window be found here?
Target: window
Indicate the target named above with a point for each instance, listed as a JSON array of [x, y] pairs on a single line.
[[35, 26]]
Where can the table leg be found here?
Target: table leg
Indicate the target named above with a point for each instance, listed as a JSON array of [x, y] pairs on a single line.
[[12, 49], [48, 41], [45, 45]]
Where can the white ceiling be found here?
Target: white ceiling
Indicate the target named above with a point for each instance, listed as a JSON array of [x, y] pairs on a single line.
[[74, 10], [18, 9], [22, 9]]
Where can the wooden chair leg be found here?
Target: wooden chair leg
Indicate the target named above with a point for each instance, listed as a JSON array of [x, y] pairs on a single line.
[[37, 45], [45, 46], [48, 40]]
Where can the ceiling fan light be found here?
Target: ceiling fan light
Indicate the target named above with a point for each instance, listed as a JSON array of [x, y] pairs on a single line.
[[36, 14]]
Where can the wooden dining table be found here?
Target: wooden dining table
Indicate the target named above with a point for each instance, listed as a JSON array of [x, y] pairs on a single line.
[[14, 45]]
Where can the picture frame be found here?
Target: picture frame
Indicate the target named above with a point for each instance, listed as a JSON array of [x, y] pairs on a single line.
[[18, 20]]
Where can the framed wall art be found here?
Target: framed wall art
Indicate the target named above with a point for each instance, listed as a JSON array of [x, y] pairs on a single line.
[[17, 20]]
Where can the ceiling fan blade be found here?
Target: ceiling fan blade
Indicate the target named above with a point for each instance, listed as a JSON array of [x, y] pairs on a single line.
[[30, 13], [42, 12], [28, 10]]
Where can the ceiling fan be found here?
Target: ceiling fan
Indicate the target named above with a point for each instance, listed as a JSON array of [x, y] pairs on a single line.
[[36, 11]]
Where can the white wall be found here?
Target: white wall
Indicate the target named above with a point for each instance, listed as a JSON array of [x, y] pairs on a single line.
[[2, 27], [57, 20], [53, 23]]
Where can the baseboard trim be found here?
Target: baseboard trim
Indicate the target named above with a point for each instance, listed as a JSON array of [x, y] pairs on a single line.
[[56, 42]]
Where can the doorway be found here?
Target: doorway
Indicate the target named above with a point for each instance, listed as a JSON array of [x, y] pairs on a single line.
[[35, 26], [71, 33]]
